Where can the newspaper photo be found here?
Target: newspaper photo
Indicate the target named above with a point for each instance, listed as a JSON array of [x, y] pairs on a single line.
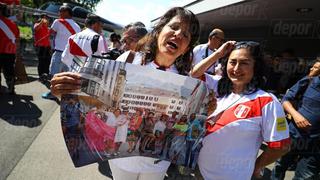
[[127, 110]]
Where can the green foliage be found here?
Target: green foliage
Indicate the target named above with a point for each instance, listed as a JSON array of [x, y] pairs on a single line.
[[28, 3], [25, 32]]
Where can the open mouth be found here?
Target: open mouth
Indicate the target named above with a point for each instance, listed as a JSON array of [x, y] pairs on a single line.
[[172, 45]]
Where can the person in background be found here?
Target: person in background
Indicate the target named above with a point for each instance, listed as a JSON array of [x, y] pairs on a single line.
[[202, 51], [193, 133], [86, 43], [42, 43], [9, 47], [115, 47], [62, 29], [134, 127], [130, 37], [302, 103], [122, 128], [177, 150]]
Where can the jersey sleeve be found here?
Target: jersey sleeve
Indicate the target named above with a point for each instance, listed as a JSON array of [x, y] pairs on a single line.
[[212, 81], [275, 130], [55, 25]]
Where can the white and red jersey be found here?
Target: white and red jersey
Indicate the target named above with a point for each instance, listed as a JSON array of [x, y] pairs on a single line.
[[231, 145], [9, 32], [64, 28], [80, 45]]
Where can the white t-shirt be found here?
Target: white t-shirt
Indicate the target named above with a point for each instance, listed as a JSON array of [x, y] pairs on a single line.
[[82, 41], [62, 33], [140, 164], [160, 126], [231, 146], [199, 53]]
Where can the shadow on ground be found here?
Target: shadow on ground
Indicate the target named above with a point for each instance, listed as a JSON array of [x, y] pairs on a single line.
[[18, 110]]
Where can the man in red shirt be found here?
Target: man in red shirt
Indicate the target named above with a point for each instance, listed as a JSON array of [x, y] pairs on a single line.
[[9, 38], [42, 42]]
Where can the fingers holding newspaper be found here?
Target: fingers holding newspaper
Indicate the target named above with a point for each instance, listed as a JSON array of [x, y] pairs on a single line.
[[64, 83]]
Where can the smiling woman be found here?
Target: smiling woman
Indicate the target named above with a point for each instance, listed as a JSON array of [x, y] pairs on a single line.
[[245, 117]]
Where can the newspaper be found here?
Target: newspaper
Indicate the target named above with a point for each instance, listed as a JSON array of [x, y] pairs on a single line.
[[126, 110]]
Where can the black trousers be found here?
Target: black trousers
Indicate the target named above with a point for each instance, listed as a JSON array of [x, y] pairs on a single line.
[[44, 57], [7, 62]]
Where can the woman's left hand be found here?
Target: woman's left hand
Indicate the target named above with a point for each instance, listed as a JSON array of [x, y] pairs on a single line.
[[225, 48]]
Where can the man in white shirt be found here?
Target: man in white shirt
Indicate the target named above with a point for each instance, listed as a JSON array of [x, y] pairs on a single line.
[[62, 29], [202, 51], [85, 43]]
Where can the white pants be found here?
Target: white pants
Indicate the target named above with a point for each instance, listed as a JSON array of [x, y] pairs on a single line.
[[120, 172]]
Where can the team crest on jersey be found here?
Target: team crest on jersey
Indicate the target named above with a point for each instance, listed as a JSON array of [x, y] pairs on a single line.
[[241, 111]]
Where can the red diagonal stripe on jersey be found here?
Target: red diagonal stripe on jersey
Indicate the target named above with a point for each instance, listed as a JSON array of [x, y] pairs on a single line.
[[75, 49], [67, 25], [228, 115]]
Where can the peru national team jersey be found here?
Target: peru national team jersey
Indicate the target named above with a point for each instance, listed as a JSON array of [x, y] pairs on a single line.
[[9, 32], [230, 147], [63, 33], [79, 45]]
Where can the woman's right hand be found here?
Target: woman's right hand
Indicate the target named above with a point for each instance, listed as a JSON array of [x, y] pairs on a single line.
[[64, 83]]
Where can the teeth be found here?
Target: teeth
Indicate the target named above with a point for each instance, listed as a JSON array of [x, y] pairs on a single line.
[[173, 45]]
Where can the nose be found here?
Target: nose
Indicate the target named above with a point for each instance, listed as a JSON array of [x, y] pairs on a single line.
[[236, 68], [178, 33]]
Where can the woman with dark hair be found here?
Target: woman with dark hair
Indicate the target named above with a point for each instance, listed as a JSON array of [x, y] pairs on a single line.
[[245, 117], [168, 48]]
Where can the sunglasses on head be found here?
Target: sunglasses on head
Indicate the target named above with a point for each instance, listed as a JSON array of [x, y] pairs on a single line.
[[245, 44]]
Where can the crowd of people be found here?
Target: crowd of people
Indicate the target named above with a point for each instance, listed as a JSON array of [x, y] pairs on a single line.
[[244, 114]]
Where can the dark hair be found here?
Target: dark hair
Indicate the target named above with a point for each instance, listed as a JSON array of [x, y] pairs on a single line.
[[182, 63], [139, 31], [92, 19], [114, 37], [66, 8], [138, 23], [225, 85]]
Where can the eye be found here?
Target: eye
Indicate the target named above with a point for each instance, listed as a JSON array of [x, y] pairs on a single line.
[[174, 26], [232, 62], [186, 34]]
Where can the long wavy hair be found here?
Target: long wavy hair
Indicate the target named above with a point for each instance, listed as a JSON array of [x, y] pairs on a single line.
[[183, 63], [225, 86]]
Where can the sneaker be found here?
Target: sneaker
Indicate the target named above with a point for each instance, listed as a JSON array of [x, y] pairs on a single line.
[[48, 95]]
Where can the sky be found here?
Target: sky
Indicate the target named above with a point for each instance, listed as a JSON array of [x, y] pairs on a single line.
[[124, 12]]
